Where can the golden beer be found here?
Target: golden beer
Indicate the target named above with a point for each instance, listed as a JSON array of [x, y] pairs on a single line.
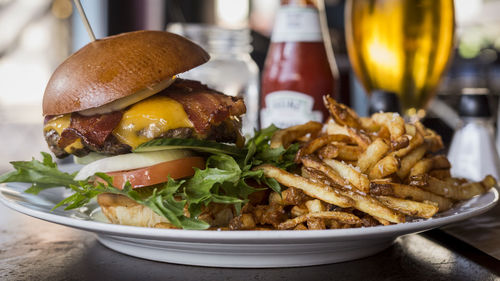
[[402, 46]]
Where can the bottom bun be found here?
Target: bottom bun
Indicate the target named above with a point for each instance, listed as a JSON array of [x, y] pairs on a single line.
[[119, 209]]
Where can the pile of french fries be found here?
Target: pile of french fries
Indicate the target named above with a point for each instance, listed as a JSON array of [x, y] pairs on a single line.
[[360, 171]]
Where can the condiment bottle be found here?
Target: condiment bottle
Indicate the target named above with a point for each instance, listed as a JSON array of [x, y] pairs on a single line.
[[299, 68], [472, 153]]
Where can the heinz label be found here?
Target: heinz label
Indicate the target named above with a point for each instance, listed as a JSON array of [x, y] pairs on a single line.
[[288, 108], [296, 24]]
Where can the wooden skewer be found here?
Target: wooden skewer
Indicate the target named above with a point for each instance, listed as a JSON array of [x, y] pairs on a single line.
[[85, 21]]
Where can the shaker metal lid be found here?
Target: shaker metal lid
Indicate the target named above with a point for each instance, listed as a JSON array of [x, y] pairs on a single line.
[[474, 103]]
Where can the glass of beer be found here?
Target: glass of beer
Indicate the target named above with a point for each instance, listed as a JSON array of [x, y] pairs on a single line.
[[400, 46]]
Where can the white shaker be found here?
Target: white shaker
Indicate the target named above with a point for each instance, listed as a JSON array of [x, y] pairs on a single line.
[[473, 153]]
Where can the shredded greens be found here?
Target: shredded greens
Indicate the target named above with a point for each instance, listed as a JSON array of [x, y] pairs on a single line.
[[224, 180]]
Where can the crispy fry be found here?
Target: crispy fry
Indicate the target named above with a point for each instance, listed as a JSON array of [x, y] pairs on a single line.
[[349, 152], [310, 162], [362, 202], [328, 152], [453, 190], [300, 227], [410, 129], [393, 121], [440, 174], [373, 153], [408, 207], [416, 141], [313, 189], [342, 114], [317, 143], [369, 125], [384, 167], [433, 141], [352, 174], [333, 128], [400, 143], [488, 182], [341, 217], [372, 207], [315, 224], [315, 206], [286, 136], [420, 195], [440, 162], [422, 166], [360, 138], [382, 221], [340, 151], [409, 160], [298, 211]]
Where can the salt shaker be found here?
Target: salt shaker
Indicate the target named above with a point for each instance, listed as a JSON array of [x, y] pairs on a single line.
[[473, 153]]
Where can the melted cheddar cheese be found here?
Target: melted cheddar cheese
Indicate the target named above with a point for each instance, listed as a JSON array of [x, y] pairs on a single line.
[[149, 119], [58, 123], [143, 121]]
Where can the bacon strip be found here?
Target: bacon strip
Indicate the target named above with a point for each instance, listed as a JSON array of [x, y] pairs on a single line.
[[93, 129], [205, 107]]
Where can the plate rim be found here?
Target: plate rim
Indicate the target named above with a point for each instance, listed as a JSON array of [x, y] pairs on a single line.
[[245, 236]]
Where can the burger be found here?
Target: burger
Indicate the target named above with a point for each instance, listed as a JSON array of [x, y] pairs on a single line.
[[118, 106]]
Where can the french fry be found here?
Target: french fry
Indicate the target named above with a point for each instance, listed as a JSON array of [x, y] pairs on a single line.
[[408, 207], [362, 202], [298, 211], [354, 176], [317, 143], [409, 161], [420, 195], [310, 162], [433, 141], [313, 189], [450, 189], [393, 121], [384, 167], [342, 114], [315, 224], [314, 206], [329, 151], [440, 174], [369, 125], [400, 143], [488, 182], [360, 138], [416, 141], [349, 152], [340, 151], [286, 136], [440, 162], [372, 207], [333, 128], [300, 227], [382, 221], [341, 217], [422, 166], [373, 153]]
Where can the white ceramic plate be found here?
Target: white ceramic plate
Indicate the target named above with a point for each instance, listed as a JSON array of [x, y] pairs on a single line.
[[234, 248]]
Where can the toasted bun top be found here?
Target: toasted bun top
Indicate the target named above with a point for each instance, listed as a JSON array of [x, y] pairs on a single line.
[[118, 66]]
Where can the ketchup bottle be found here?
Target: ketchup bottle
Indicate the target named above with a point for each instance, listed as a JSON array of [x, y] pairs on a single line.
[[299, 68]]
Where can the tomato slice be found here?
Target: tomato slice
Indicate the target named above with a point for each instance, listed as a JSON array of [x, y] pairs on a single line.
[[158, 173]]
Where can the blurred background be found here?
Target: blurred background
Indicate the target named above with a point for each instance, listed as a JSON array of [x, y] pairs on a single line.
[[37, 35]]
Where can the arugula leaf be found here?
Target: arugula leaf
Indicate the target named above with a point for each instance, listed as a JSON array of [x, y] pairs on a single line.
[[41, 174]]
